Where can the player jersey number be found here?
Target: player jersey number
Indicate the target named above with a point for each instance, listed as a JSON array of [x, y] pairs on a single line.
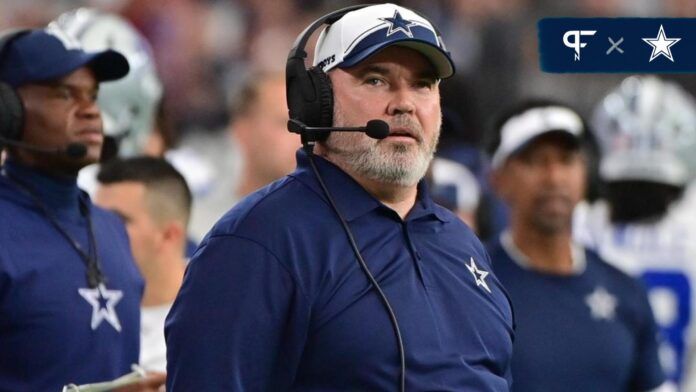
[[670, 297]]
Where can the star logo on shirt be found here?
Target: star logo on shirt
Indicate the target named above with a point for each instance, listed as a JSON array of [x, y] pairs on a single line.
[[602, 304], [661, 45], [103, 303], [479, 275], [397, 23]]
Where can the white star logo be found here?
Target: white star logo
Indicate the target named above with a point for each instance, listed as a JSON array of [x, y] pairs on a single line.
[[110, 298], [479, 275], [661, 45], [398, 23], [602, 304]]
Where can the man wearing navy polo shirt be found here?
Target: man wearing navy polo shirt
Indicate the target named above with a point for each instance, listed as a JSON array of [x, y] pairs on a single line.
[[582, 325], [274, 299], [69, 290]]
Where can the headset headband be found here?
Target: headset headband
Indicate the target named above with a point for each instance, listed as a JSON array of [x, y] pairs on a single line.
[[298, 47]]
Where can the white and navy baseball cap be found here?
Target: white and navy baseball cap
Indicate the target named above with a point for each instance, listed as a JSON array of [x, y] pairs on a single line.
[[47, 54], [523, 128], [363, 32]]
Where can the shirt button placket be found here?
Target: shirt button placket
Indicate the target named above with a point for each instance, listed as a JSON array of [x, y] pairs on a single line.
[[416, 256]]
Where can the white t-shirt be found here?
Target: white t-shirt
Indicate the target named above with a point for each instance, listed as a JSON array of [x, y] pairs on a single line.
[[153, 349]]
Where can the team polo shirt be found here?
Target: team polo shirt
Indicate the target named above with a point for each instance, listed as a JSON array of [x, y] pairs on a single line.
[[590, 331], [54, 329], [274, 298]]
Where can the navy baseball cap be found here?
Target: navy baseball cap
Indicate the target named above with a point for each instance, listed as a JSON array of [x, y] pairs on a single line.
[[42, 55]]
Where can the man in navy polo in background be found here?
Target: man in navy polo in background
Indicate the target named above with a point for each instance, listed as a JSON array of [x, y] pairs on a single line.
[[581, 324], [69, 290], [274, 299]]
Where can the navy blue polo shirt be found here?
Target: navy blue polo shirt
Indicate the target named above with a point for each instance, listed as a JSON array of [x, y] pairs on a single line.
[[274, 298], [590, 331]]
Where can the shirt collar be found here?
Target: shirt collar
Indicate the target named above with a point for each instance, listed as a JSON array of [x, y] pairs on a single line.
[[60, 195], [351, 198], [508, 244]]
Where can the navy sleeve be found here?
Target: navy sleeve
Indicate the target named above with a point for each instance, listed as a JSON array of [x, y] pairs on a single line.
[[648, 373], [239, 322]]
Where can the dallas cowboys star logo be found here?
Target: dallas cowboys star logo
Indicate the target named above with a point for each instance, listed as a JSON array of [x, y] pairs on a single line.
[[602, 304], [103, 303], [479, 275], [397, 23], [661, 45]]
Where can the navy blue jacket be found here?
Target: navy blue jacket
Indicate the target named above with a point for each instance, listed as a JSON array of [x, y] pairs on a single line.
[[590, 331], [275, 300], [50, 333]]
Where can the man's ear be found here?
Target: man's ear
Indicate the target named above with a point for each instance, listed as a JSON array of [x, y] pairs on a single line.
[[174, 232]]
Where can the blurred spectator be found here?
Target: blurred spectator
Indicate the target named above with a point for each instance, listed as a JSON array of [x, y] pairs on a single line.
[[581, 325], [259, 127], [259, 138], [154, 201], [646, 129]]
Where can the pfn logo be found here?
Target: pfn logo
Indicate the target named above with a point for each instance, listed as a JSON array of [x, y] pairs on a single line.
[[576, 44]]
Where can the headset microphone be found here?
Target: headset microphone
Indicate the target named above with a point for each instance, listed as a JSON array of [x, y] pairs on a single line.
[[376, 129], [72, 150]]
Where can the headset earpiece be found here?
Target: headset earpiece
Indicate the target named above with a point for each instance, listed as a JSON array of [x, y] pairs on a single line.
[[322, 113], [11, 113], [309, 93], [11, 107]]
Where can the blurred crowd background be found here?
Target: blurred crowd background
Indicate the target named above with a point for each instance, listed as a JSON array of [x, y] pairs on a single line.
[[204, 49]]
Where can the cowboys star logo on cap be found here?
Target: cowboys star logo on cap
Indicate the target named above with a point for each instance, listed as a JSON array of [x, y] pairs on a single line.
[[397, 23]]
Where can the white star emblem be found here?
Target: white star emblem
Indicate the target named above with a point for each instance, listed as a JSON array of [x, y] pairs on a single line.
[[479, 275], [661, 45], [397, 23], [107, 312], [602, 304]]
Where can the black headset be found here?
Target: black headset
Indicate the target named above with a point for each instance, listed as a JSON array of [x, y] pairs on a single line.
[[11, 107], [308, 91]]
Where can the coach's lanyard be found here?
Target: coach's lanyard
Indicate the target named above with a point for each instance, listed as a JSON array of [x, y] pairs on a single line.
[[95, 277]]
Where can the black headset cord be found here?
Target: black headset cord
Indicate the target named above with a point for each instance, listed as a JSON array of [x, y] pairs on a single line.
[[95, 276], [366, 270]]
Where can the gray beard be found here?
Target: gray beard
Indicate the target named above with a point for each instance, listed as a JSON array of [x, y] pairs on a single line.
[[400, 164]]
